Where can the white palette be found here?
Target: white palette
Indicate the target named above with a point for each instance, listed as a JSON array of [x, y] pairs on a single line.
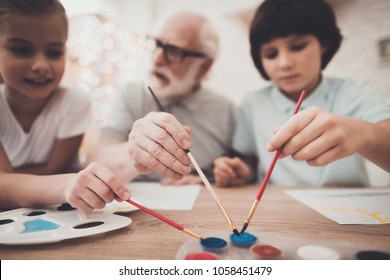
[[48, 225], [119, 207]]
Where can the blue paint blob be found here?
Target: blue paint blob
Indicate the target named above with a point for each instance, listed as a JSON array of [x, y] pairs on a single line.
[[39, 225], [245, 239], [213, 244]]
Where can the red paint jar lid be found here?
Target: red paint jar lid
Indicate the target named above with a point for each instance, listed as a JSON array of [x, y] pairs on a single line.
[[266, 251], [201, 256]]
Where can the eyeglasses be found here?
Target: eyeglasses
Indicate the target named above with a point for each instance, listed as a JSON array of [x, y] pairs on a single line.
[[174, 54]]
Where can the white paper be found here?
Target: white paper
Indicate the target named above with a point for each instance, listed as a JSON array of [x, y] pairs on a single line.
[[159, 197], [348, 206]]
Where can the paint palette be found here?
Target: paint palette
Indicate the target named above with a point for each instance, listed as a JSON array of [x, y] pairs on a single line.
[[120, 207], [53, 224], [275, 246]]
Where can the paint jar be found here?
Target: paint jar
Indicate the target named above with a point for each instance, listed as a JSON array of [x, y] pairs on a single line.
[[265, 252], [201, 256], [316, 252], [372, 255], [244, 240], [213, 244]]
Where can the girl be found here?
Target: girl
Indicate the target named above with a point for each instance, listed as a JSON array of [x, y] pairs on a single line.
[[41, 124], [341, 122]]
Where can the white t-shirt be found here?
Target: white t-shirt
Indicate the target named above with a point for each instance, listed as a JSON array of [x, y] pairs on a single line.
[[67, 114]]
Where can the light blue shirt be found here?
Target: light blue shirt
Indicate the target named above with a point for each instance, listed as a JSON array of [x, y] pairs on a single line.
[[263, 110]]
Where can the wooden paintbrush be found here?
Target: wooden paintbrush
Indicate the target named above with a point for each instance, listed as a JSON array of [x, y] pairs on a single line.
[[202, 176], [268, 174]]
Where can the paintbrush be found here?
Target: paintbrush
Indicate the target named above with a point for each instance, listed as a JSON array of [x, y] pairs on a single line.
[[164, 219], [269, 172], [202, 176]]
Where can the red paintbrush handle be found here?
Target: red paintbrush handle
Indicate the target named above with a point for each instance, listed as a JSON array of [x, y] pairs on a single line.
[[277, 153], [158, 216], [268, 175], [300, 100]]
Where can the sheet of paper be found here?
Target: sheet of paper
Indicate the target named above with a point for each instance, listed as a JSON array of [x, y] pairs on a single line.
[[348, 206], [156, 196]]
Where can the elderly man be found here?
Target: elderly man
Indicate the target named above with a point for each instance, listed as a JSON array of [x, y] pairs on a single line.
[[185, 47]]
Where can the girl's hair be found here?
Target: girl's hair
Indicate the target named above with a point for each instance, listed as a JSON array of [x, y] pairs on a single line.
[[32, 8], [282, 18]]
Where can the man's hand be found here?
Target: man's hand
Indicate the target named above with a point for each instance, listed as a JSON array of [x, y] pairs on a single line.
[[158, 142]]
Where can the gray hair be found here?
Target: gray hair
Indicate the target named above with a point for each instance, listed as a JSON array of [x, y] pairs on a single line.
[[208, 37], [209, 41]]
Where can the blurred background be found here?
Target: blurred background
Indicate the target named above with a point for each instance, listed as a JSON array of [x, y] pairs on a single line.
[[107, 45]]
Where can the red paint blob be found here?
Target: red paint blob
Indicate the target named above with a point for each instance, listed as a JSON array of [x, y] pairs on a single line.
[[266, 251], [201, 256]]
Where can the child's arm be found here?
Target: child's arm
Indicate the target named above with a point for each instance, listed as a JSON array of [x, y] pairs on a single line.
[[377, 146], [91, 188], [61, 157], [5, 164], [320, 138]]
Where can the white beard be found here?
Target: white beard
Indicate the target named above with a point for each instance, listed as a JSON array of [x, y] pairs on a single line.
[[175, 87]]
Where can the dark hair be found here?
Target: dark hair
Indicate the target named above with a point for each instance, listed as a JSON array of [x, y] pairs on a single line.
[[32, 8], [282, 18]]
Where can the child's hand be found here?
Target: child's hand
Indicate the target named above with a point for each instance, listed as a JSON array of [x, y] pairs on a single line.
[[231, 171], [318, 137], [93, 187]]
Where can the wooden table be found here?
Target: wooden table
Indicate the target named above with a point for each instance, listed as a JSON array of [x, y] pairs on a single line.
[[279, 218]]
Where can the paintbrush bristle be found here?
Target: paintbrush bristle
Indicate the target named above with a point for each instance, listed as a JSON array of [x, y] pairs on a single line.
[[235, 231], [245, 226]]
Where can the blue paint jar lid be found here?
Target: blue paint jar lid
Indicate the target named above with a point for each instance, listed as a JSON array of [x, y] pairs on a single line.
[[213, 244], [245, 239]]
